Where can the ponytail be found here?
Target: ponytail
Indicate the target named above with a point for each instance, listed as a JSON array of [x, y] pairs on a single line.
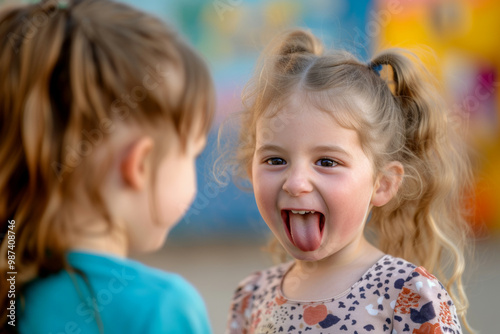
[[28, 186], [426, 221], [415, 99]]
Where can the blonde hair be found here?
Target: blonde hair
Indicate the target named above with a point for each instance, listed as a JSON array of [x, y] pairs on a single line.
[[71, 74], [403, 120]]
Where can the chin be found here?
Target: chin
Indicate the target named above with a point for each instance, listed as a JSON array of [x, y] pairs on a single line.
[[300, 255], [155, 243], [160, 242], [306, 256]]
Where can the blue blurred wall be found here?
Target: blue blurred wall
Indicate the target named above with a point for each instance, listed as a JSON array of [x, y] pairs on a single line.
[[230, 34]]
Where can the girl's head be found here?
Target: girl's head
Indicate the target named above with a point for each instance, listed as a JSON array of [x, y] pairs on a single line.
[[313, 183], [325, 132], [336, 132], [103, 110]]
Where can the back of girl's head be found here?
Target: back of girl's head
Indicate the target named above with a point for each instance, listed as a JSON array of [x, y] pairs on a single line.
[[72, 75], [397, 119]]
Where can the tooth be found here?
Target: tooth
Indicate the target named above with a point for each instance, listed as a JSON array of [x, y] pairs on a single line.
[[301, 212]]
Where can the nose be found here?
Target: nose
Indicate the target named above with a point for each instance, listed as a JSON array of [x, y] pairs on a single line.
[[297, 181]]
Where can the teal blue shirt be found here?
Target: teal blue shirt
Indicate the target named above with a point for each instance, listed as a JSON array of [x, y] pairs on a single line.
[[129, 297]]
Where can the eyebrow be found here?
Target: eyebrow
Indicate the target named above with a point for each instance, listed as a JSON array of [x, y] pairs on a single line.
[[269, 147], [332, 148], [320, 148]]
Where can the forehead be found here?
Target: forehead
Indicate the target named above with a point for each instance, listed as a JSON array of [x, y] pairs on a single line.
[[300, 122], [345, 108]]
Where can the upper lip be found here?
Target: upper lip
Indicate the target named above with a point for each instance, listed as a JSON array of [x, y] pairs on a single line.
[[301, 209]]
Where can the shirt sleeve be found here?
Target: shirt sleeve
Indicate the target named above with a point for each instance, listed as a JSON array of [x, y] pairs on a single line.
[[424, 307], [239, 312], [180, 310]]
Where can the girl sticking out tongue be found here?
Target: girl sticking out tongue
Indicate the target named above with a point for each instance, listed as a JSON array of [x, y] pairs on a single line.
[[326, 143]]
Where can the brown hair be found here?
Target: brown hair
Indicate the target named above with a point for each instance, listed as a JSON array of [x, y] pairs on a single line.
[[402, 120], [71, 74]]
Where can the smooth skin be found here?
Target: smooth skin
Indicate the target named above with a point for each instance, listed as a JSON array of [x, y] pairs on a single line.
[[313, 163], [145, 200]]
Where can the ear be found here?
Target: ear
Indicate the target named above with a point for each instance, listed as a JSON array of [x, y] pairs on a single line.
[[135, 165], [387, 183]]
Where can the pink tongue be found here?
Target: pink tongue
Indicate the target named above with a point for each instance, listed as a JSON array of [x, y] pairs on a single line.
[[305, 231]]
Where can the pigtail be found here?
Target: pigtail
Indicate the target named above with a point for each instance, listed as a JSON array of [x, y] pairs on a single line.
[[426, 221], [292, 46]]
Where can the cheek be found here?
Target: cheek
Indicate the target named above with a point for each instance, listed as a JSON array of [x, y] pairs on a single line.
[[176, 192], [187, 186], [349, 203], [265, 191]]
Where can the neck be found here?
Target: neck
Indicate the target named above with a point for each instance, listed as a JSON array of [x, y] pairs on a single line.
[[360, 254], [312, 280], [100, 237]]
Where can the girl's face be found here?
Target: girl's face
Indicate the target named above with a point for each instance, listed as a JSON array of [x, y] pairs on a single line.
[[312, 181], [173, 191], [176, 182]]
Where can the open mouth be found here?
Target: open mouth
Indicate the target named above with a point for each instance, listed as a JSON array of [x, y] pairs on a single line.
[[304, 228]]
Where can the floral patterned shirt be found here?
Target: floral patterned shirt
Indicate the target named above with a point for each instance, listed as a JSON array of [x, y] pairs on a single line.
[[393, 296]]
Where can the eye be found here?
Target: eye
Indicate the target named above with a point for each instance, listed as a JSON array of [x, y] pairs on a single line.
[[325, 162], [275, 161]]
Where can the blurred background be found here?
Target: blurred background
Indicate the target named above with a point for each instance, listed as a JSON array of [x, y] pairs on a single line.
[[219, 241], [457, 39]]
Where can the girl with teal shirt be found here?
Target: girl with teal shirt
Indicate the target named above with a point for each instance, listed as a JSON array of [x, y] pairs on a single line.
[[103, 111]]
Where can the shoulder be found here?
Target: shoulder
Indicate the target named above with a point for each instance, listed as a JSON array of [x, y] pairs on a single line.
[[124, 277], [172, 305], [163, 301], [160, 284], [262, 279], [389, 274], [406, 278], [257, 286], [170, 290], [158, 280], [423, 305], [420, 303], [157, 301], [397, 266], [254, 289], [168, 303]]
